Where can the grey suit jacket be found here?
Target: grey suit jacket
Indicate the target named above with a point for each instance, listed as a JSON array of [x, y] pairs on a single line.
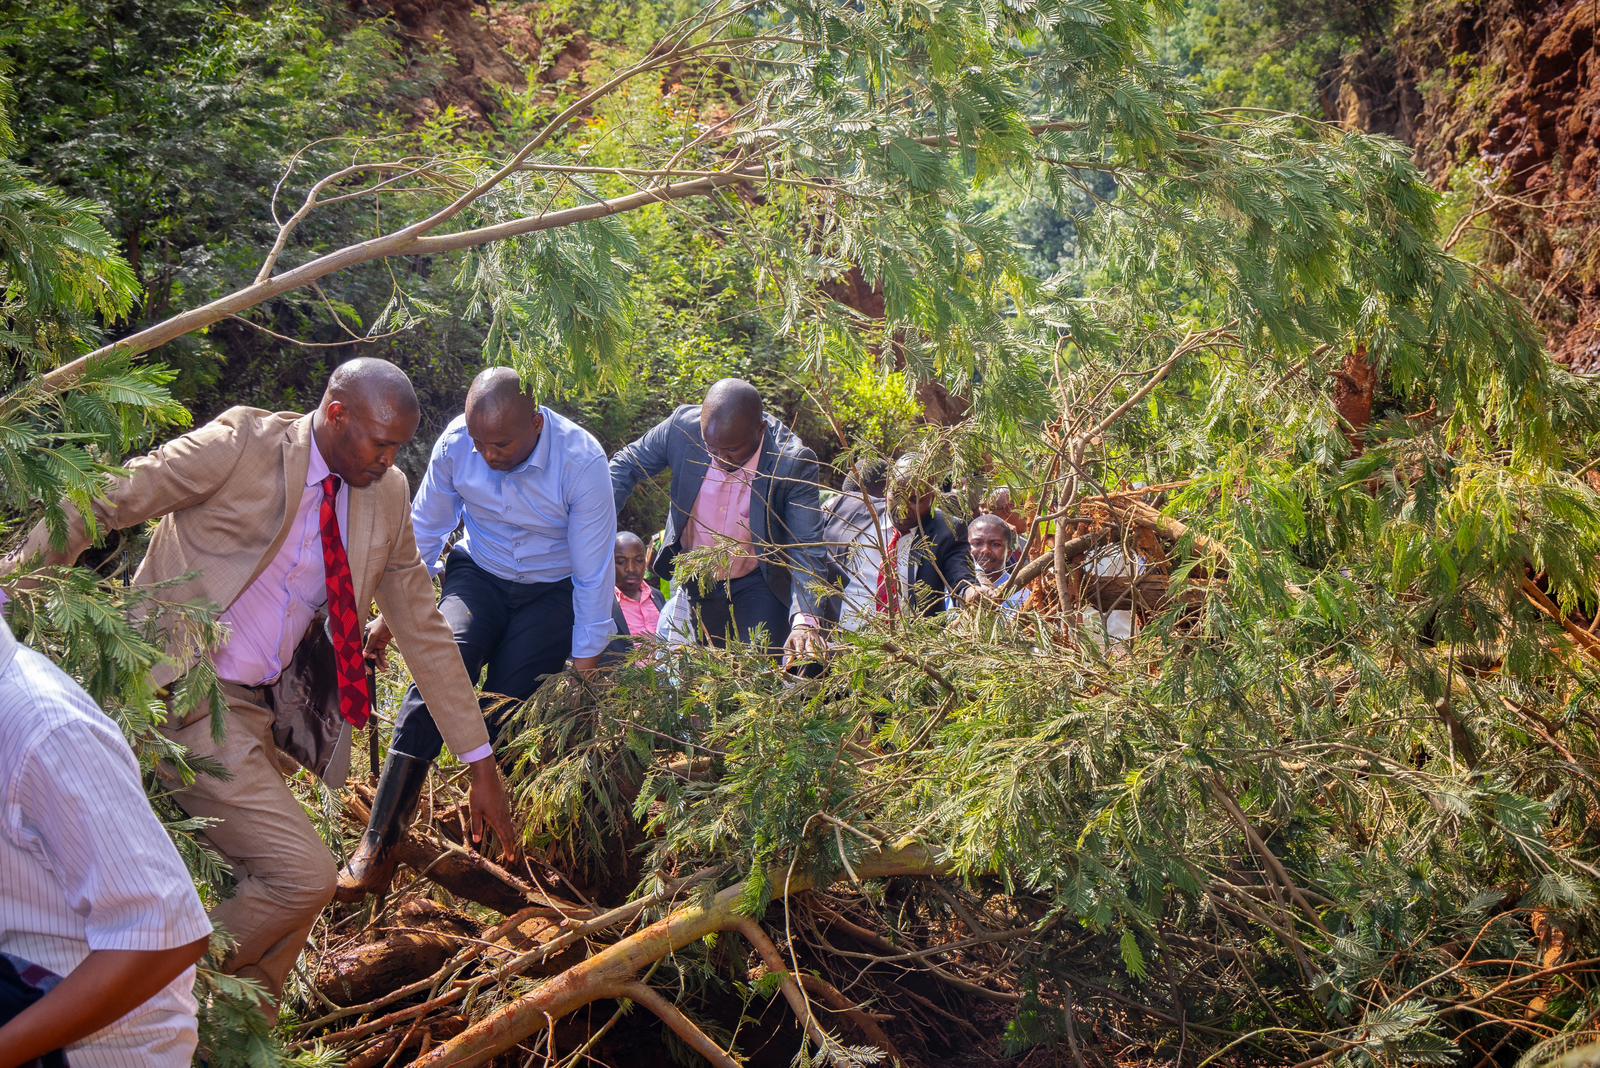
[[785, 507]]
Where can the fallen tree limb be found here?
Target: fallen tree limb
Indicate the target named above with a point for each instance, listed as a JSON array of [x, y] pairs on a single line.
[[423, 936], [466, 874], [616, 966], [681, 1025]]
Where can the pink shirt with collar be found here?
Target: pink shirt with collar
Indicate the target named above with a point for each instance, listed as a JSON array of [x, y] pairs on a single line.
[[269, 618], [642, 616], [722, 509]]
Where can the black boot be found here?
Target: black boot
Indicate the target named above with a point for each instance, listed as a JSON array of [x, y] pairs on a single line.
[[372, 866]]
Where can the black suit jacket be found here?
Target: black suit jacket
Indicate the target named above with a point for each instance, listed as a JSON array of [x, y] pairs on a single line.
[[785, 506], [940, 565]]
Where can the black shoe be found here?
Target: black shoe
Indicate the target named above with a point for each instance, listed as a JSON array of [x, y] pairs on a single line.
[[372, 866]]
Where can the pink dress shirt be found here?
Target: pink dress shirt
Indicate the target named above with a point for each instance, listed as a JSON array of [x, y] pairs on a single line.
[[272, 614], [723, 509], [642, 616]]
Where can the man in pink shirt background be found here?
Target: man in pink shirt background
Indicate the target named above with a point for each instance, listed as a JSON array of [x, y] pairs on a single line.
[[638, 604]]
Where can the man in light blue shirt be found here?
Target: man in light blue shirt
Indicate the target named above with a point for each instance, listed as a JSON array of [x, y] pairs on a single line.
[[529, 584]]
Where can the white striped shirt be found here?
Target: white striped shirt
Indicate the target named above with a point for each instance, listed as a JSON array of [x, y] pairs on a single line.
[[84, 863]]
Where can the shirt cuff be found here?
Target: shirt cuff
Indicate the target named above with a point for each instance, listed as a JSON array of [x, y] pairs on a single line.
[[805, 619], [484, 750]]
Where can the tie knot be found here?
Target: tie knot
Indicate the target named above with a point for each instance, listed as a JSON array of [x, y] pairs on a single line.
[[330, 486]]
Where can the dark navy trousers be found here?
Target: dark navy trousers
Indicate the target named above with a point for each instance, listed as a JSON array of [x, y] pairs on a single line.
[[521, 631]]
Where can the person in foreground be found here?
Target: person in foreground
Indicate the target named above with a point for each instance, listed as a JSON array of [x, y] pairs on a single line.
[[96, 908], [529, 584], [274, 517], [742, 480]]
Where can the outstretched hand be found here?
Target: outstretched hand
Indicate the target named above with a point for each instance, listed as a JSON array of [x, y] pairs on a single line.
[[488, 805], [977, 593]]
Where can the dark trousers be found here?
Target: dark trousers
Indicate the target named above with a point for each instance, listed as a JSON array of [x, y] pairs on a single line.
[[738, 609], [521, 630]]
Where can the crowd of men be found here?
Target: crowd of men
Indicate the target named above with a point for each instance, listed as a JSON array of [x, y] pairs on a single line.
[[295, 526]]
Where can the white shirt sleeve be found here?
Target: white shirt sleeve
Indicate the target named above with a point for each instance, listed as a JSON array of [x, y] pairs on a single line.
[[82, 809]]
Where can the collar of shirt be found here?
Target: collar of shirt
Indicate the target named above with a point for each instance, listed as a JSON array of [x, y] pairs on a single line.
[[318, 469], [644, 595]]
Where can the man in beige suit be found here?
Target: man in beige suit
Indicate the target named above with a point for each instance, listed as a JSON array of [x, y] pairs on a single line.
[[272, 517]]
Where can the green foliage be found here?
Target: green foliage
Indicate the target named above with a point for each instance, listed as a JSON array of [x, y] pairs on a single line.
[[1282, 55], [179, 117], [1353, 701]]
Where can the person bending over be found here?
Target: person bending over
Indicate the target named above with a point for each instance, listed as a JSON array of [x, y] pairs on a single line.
[[529, 584], [279, 517], [743, 482]]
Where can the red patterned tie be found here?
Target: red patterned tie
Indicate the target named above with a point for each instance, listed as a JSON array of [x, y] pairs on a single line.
[[355, 698], [889, 578]]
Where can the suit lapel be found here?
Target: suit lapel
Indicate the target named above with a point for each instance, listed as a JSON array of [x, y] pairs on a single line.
[[761, 489], [295, 458], [694, 475]]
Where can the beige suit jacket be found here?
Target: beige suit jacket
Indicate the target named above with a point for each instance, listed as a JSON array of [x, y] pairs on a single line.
[[226, 493]]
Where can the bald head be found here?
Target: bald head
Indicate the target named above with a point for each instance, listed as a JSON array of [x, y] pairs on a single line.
[[730, 422], [503, 419], [369, 412], [376, 386], [498, 389]]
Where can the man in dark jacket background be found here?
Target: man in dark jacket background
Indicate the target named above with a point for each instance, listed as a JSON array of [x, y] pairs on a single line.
[[746, 488], [927, 560]]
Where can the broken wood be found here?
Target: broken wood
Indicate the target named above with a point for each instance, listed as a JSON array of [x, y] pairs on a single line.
[[422, 937], [617, 966]]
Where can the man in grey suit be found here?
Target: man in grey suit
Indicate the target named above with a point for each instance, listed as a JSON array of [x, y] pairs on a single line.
[[744, 485]]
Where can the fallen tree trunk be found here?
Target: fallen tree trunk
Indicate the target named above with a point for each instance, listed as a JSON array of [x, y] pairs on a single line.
[[611, 971], [458, 869], [422, 937], [466, 874]]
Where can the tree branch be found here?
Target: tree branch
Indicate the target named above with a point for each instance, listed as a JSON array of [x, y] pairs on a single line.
[[681, 1025]]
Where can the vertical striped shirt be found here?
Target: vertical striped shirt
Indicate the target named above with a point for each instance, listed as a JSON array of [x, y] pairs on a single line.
[[84, 864]]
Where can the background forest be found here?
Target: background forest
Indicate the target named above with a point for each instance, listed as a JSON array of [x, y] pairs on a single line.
[[1337, 804]]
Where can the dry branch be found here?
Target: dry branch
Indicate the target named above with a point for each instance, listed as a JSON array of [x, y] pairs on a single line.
[[616, 966]]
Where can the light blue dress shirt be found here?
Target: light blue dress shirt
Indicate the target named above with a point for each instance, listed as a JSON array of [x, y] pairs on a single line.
[[550, 518]]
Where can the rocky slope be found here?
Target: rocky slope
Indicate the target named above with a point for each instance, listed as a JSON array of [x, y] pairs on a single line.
[[1503, 96]]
